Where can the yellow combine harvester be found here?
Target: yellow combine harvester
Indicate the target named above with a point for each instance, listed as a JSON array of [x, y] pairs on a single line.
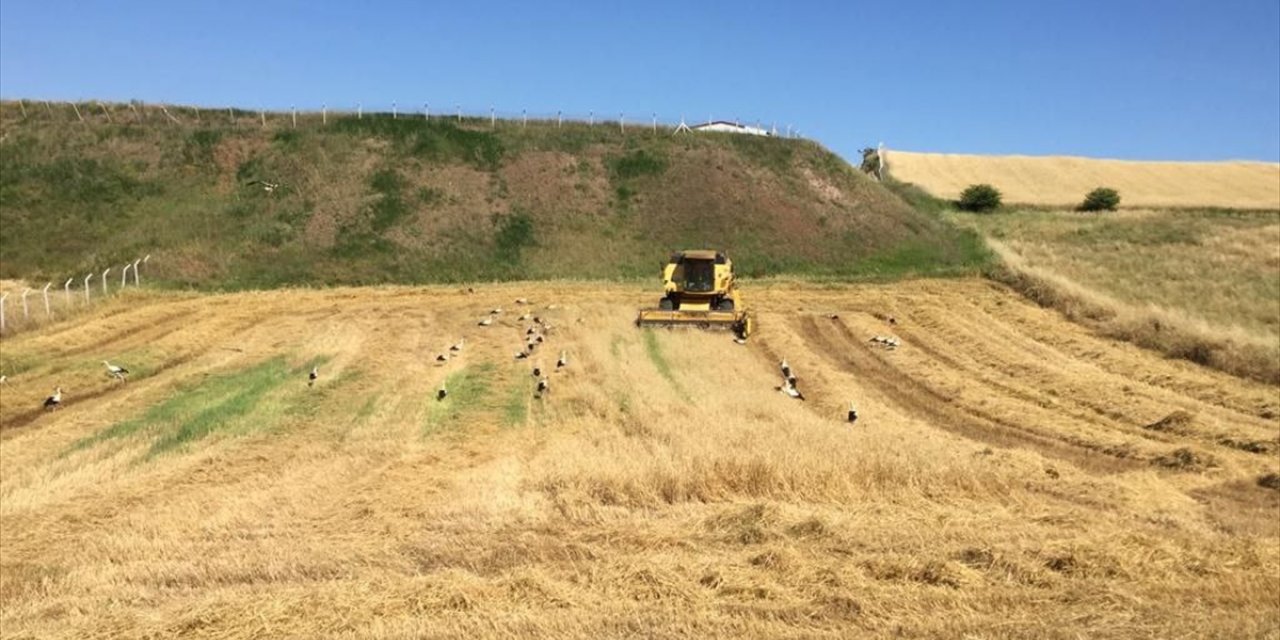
[[700, 292]]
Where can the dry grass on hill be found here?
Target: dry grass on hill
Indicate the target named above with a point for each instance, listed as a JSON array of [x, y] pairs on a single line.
[[1012, 475], [1064, 181], [1203, 285]]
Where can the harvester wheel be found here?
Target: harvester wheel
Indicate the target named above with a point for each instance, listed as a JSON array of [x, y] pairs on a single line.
[[725, 305], [666, 304]]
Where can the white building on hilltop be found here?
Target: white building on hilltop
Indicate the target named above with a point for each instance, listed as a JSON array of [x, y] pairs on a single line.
[[730, 127]]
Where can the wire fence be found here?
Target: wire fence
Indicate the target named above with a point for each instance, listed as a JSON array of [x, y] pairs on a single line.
[[137, 111], [19, 311]]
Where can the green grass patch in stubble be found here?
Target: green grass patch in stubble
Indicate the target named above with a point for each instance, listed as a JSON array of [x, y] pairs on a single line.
[[218, 403], [468, 395], [659, 359], [515, 408]]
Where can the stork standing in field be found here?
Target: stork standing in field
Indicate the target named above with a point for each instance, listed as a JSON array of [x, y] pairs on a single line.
[[486, 322], [544, 387], [442, 357], [786, 369], [54, 401], [311, 377], [789, 388], [522, 301], [853, 414], [441, 392], [563, 361], [458, 346], [116, 371], [521, 355], [537, 370]]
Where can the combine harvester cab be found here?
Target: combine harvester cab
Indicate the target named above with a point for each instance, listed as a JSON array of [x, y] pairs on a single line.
[[701, 292]]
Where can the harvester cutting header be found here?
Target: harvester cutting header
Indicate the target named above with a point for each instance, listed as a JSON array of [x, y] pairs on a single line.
[[700, 292]]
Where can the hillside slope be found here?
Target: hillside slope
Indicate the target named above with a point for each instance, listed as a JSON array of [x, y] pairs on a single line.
[[1064, 181], [377, 199]]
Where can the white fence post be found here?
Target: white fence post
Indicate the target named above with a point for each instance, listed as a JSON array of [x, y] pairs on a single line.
[[324, 119], [77, 110], [394, 115], [66, 290], [524, 118], [124, 275], [2, 297], [559, 119], [262, 113], [622, 125], [25, 314], [294, 109], [104, 280], [426, 111], [48, 313], [135, 271], [86, 288], [493, 121], [359, 111], [591, 118], [655, 122], [458, 107]]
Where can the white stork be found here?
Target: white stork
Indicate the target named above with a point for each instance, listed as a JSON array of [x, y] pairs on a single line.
[[544, 386], [54, 401], [311, 377], [486, 322], [458, 346], [563, 361], [789, 388], [441, 392], [853, 414], [116, 371]]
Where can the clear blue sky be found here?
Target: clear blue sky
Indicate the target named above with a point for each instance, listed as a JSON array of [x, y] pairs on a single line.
[[1172, 80]]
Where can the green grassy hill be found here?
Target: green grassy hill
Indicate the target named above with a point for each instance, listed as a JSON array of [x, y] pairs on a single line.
[[376, 199]]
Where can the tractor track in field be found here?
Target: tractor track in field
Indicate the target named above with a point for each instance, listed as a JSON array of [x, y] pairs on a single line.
[[848, 352]]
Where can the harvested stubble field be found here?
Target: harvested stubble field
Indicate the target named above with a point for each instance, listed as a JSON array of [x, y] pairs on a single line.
[[1063, 180], [1012, 474]]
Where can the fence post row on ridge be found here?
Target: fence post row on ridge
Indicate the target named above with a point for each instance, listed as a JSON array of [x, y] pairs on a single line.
[[68, 300], [293, 117]]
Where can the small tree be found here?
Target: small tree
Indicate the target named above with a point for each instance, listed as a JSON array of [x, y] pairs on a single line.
[[1101, 199], [979, 197]]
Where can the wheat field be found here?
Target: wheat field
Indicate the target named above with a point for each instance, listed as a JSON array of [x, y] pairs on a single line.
[[1063, 180], [1011, 474]]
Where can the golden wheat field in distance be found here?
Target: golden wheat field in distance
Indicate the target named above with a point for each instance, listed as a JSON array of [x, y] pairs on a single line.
[[1011, 475], [1064, 180]]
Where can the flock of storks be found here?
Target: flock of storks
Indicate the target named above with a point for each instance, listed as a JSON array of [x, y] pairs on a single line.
[[535, 335]]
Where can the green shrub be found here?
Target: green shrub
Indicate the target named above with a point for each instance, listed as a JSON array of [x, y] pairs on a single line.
[[515, 232], [637, 164], [979, 197], [1101, 199]]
